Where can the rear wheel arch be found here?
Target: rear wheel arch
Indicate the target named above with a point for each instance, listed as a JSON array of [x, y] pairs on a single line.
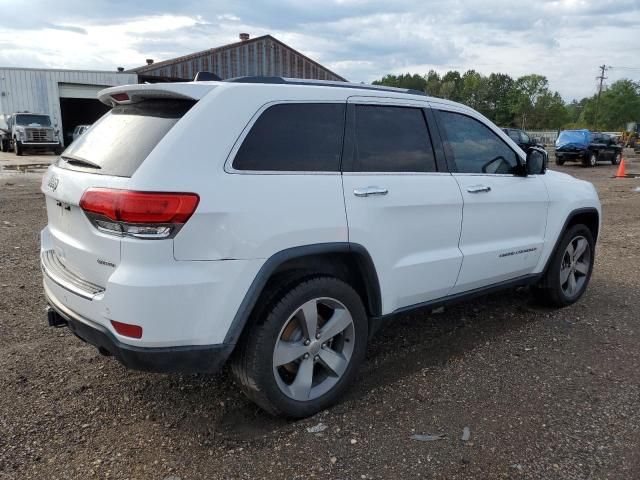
[[346, 261]]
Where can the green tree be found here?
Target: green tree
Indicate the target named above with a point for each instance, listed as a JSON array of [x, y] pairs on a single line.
[[451, 86], [619, 104], [474, 90], [407, 80], [499, 88], [433, 83]]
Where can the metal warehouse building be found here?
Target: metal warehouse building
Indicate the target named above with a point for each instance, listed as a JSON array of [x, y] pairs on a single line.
[[264, 55], [67, 96]]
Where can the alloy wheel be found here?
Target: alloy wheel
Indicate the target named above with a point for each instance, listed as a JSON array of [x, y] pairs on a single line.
[[575, 266], [313, 349]]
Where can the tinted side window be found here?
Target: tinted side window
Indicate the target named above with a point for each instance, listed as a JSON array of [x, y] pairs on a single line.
[[513, 134], [294, 137], [391, 139], [474, 147]]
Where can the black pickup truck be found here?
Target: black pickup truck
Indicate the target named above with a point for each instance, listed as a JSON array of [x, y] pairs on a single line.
[[587, 147]]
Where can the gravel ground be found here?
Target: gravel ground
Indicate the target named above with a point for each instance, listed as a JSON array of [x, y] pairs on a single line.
[[544, 393]]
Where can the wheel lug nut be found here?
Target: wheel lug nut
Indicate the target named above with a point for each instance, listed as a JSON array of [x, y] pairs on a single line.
[[316, 358], [307, 342], [317, 335], [306, 355]]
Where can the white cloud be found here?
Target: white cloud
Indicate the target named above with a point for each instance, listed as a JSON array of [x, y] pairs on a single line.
[[362, 40]]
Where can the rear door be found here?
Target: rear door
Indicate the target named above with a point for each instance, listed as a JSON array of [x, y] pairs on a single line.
[[107, 156], [402, 205], [505, 214], [600, 144]]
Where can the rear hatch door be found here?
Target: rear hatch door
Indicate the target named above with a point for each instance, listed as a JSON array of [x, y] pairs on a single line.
[[78, 249], [107, 155]]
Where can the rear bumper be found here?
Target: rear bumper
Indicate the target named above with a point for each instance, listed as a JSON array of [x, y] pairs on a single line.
[[181, 359]]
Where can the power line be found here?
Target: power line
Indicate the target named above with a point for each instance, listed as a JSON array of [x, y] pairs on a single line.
[[625, 68]]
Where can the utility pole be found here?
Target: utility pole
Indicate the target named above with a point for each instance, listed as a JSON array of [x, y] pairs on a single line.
[[602, 78]]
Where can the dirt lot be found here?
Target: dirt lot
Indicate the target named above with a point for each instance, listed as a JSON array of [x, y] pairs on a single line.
[[545, 393]]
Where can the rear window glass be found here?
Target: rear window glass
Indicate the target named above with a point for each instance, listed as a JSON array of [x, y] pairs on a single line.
[[120, 141], [294, 137]]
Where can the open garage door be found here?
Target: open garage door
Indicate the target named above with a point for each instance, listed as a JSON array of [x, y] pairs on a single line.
[[79, 105]]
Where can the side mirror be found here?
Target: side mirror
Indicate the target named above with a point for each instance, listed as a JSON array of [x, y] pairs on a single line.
[[537, 159]]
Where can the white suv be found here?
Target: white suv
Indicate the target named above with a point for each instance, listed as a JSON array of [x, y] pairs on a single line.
[[278, 222]]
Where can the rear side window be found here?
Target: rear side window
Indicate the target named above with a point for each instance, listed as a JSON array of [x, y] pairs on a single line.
[[294, 137], [120, 141], [391, 139]]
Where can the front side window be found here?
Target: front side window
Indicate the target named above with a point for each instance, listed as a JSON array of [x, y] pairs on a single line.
[[474, 147], [294, 137], [513, 135], [391, 139]]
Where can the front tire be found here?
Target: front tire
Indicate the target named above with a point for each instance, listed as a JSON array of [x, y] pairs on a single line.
[[17, 147], [559, 160], [569, 271], [303, 349], [591, 160]]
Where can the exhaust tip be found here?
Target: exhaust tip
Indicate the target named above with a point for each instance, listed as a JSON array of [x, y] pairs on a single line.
[[55, 319]]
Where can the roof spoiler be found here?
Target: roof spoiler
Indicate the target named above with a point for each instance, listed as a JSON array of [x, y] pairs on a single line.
[[126, 94]]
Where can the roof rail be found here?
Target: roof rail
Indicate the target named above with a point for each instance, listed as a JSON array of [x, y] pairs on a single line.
[[321, 83]]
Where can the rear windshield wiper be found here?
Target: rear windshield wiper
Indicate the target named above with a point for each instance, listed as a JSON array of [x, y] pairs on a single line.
[[81, 162]]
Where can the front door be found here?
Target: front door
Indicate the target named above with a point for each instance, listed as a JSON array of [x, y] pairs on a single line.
[[400, 207], [504, 215]]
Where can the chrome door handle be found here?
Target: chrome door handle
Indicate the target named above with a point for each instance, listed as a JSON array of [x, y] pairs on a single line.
[[479, 189], [368, 191]]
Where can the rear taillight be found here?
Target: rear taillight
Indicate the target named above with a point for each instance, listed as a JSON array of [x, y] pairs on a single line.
[[138, 214]]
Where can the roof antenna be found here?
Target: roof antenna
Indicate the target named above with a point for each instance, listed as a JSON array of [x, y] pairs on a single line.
[[206, 77]]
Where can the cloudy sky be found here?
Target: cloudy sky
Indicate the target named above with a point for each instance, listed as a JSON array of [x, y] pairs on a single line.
[[566, 40]]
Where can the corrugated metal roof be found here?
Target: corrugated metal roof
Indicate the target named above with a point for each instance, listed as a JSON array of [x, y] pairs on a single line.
[[185, 58]]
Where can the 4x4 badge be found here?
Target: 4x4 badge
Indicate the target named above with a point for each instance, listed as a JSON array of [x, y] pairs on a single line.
[[53, 183]]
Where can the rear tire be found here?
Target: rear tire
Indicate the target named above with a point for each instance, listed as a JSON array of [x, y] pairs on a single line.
[[559, 160], [616, 159], [568, 274], [280, 332]]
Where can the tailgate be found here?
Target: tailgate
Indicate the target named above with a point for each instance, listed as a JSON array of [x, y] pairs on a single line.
[[78, 247]]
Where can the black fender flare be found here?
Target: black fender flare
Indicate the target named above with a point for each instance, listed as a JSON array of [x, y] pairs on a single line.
[[258, 284], [565, 226]]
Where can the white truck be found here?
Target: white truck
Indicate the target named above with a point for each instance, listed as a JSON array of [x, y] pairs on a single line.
[[23, 131]]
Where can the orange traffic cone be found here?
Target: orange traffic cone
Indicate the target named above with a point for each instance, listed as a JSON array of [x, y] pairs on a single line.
[[621, 172]]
